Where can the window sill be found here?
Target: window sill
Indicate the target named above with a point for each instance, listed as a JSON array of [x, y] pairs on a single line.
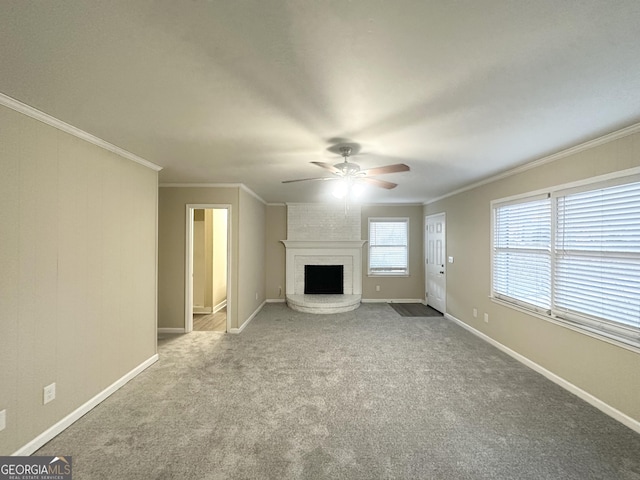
[[611, 339]]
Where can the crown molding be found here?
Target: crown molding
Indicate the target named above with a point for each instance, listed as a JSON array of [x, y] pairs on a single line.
[[373, 205], [199, 185], [353, 204], [241, 186], [610, 137], [252, 193], [36, 114]]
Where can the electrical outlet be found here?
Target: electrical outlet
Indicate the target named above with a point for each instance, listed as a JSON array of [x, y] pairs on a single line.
[[49, 393], [486, 318], [377, 288], [475, 313], [3, 419]]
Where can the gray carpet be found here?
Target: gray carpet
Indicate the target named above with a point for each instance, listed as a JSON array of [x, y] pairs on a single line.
[[359, 395], [415, 310]]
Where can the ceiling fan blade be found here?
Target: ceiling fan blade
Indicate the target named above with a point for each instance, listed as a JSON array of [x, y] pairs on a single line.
[[327, 166], [398, 167], [378, 183], [307, 179]]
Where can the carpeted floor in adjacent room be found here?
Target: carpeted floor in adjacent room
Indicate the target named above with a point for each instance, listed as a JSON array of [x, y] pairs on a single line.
[[361, 395]]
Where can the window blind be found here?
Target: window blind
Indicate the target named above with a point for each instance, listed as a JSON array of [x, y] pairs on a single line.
[[388, 246], [573, 255], [598, 257], [522, 252]]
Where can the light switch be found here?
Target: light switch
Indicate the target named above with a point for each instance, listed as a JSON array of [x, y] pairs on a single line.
[[450, 259]]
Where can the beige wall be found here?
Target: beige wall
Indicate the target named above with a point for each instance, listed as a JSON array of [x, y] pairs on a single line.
[[393, 288], [247, 269], [201, 267], [171, 248], [77, 275], [251, 261], [209, 259], [219, 260], [275, 251], [606, 371]]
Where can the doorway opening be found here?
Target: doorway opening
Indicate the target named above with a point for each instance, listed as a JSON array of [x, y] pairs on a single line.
[[435, 259], [207, 281]]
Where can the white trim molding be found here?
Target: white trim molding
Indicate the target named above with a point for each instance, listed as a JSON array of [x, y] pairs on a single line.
[[240, 186], [171, 330], [393, 300], [248, 320], [220, 306], [200, 185], [624, 132], [67, 421], [614, 413], [252, 193], [200, 310], [36, 114]]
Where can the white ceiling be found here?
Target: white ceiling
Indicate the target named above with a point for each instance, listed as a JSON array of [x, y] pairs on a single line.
[[251, 91]]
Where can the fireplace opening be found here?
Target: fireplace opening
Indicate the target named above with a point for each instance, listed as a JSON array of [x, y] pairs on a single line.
[[323, 279]]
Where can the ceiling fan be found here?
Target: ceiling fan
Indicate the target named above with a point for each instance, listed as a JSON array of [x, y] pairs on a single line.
[[350, 172]]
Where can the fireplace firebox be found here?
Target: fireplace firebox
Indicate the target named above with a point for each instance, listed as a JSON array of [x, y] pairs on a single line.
[[324, 279]]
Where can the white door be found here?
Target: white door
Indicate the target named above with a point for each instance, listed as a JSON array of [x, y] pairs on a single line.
[[435, 258]]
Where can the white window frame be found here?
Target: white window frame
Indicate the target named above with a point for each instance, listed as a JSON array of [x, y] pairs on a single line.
[[381, 273], [605, 329]]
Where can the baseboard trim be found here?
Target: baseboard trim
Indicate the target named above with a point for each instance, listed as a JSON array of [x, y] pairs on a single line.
[[220, 306], [67, 421], [171, 330], [244, 325], [275, 300], [392, 300], [584, 395], [202, 310]]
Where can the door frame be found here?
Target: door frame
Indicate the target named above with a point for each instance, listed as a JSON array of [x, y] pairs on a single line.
[[188, 280], [443, 215]]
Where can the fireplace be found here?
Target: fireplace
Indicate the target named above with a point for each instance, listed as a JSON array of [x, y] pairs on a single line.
[[324, 239], [323, 279], [302, 254]]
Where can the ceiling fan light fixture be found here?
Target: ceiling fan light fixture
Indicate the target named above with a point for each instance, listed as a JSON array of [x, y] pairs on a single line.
[[349, 176], [341, 189], [346, 188]]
